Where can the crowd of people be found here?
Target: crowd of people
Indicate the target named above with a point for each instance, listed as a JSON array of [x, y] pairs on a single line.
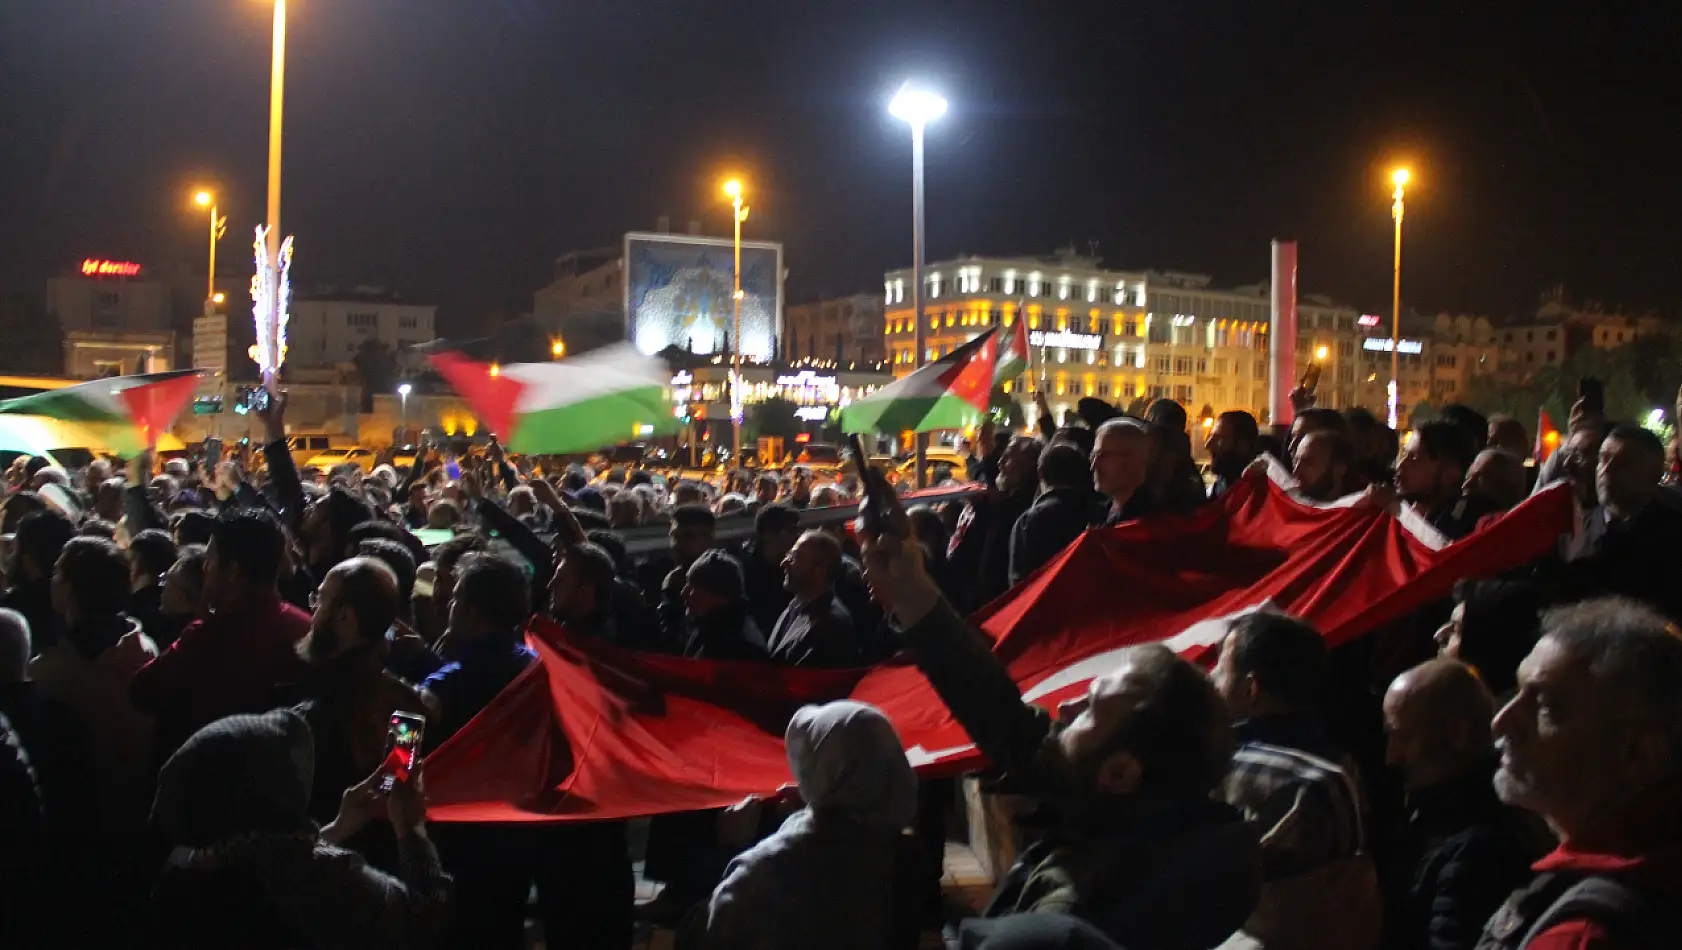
[[199, 668]]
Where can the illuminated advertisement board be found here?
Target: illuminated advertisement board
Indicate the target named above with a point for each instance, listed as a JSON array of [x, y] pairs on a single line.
[[678, 292], [1381, 345]]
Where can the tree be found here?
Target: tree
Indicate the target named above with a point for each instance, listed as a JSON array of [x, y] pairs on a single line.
[[774, 418], [376, 369]]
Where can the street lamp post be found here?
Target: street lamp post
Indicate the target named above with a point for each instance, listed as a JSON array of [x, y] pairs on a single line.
[[1400, 178], [218, 226], [403, 390], [917, 108], [272, 293], [733, 190]]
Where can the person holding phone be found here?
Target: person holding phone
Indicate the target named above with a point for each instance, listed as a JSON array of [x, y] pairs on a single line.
[[251, 869], [1128, 769], [347, 696]]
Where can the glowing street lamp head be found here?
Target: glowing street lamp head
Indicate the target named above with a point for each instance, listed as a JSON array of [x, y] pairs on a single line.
[[916, 106], [1321, 353], [733, 189], [218, 297], [203, 199], [1399, 177], [557, 349], [403, 389]]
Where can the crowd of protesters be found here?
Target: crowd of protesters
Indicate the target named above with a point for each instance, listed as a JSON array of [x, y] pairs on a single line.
[[198, 669]]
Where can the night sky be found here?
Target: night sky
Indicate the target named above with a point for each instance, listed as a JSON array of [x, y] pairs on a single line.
[[451, 149]]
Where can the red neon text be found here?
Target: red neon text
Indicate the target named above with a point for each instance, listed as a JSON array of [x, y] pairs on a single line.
[[92, 267]]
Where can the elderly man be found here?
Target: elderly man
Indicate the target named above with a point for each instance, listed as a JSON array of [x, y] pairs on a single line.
[[1496, 480], [1593, 743], [1628, 544], [815, 630], [1464, 851], [1121, 464]]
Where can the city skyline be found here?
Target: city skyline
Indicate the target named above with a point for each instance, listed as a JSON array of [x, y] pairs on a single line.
[[455, 158]]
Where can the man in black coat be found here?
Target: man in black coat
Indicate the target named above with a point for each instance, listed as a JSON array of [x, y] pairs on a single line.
[[979, 551], [775, 529], [1463, 851], [1628, 544], [815, 630], [1064, 510]]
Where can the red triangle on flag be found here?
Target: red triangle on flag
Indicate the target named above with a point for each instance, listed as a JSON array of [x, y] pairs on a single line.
[[491, 392], [154, 406], [971, 379]]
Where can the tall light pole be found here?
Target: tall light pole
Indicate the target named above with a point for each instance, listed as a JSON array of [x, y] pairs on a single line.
[[271, 328], [1400, 178], [733, 190], [218, 226], [917, 107]]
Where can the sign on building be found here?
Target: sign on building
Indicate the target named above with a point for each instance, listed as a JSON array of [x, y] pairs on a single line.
[[679, 288]]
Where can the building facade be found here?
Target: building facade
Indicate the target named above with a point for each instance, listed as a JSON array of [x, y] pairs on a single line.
[[1123, 336], [328, 328], [116, 319], [845, 330], [583, 308]]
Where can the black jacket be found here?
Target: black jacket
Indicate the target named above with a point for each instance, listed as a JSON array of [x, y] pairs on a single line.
[[1635, 558], [1055, 520], [1464, 854], [1172, 873], [34, 599], [764, 584], [979, 552], [818, 635], [728, 634]]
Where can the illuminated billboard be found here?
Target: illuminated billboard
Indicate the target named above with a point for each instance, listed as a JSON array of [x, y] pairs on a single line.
[[678, 293]]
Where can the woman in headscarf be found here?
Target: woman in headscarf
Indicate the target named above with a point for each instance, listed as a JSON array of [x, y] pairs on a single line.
[[840, 873], [251, 870]]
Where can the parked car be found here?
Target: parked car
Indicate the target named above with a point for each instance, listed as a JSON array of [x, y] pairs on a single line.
[[363, 458], [934, 460]]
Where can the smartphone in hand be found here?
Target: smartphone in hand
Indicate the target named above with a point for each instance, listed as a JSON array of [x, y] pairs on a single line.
[[879, 498], [403, 744]]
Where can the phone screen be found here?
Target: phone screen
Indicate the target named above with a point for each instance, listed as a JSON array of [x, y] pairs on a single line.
[[403, 743]]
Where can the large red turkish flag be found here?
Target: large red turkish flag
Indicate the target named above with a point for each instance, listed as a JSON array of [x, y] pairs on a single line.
[[594, 732]]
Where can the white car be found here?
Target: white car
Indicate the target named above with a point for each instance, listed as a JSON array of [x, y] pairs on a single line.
[[361, 457]]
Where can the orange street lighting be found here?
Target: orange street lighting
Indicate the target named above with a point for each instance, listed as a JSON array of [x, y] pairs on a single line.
[[1400, 178], [203, 199], [1322, 353], [733, 191], [557, 349], [218, 226]]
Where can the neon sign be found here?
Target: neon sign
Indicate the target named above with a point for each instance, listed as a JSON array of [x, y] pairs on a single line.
[[806, 379], [1383, 345], [1072, 341], [94, 267], [1369, 319], [812, 413]]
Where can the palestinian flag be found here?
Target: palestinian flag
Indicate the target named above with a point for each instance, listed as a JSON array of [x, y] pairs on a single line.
[[949, 393], [580, 404], [1013, 351], [124, 414]]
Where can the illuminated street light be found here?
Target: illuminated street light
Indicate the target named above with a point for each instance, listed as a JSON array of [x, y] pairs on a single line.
[[1399, 177], [218, 226], [917, 107], [218, 297], [1322, 353], [733, 191], [403, 390], [557, 348]]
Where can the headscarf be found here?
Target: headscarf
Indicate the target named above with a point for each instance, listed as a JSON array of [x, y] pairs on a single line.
[[238, 776], [848, 760]]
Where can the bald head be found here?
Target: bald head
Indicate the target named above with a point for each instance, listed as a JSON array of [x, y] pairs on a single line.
[[14, 646], [1437, 719], [1497, 477]]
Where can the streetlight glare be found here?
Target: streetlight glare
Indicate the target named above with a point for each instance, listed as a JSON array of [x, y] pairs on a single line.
[[915, 105], [404, 389], [732, 189], [1321, 353], [218, 297], [557, 348], [1399, 176], [202, 199]]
